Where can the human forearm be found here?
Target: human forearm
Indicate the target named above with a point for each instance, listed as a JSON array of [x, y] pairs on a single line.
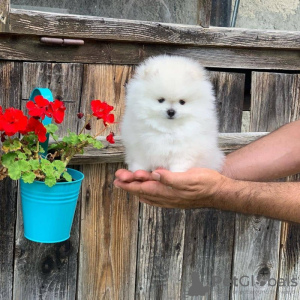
[[274, 156], [278, 200]]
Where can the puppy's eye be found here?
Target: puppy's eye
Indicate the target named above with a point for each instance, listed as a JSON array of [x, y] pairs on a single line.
[[182, 102], [161, 100]]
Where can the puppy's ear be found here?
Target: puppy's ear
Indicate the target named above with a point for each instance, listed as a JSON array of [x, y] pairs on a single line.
[[197, 74], [145, 72]]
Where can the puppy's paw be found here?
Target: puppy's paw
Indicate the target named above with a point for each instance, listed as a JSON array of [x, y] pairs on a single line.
[[136, 166]]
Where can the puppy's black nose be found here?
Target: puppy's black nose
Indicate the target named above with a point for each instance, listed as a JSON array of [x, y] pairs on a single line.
[[171, 112]]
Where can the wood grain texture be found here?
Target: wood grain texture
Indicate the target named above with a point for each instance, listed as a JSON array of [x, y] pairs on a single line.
[[204, 12], [160, 253], [260, 237], [109, 216], [209, 234], [29, 48], [229, 86], [40, 23], [4, 12], [10, 95], [107, 83], [49, 269], [64, 81], [109, 224], [290, 236], [208, 248], [112, 153]]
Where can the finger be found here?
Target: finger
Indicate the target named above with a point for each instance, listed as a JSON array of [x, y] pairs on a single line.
[[149, 188], [142, 175], [124, 175], [172, 179]]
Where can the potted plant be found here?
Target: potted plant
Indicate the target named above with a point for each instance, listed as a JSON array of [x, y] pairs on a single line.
[[49, 189]]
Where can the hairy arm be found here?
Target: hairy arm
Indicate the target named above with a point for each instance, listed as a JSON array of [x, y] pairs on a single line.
[[238, 188], [274, 156]]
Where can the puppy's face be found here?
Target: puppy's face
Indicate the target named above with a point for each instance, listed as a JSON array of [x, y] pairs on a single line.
[[167, 95]]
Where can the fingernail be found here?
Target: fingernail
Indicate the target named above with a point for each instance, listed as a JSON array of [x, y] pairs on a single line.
[[116, 186], [155, 176]]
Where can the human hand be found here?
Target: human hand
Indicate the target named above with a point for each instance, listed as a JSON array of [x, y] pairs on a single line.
[[194, 188]]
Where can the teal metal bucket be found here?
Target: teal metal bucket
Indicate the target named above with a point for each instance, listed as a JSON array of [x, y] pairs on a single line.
[[48, 212]]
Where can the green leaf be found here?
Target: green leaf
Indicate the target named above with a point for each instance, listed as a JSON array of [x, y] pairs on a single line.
[[27, 151], [8, 159], [98, 145], [52, 146], [50, 181], [21, 155], [28, 177], [14, 171], [34, 164], [41, 149], [13, 145], [72, 138], [55, 137], [51, 128], [67, 176], [59, 166], [23, 165], [6, 146], [46, 166], [16, 145]]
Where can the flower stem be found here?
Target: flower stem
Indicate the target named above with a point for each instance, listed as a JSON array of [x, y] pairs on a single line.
[[87, 120], [97, 134], [36, 156]]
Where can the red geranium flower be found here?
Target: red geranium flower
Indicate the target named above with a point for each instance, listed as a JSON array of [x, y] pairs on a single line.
[[56, 110], [110, 138], [38, 108], [102, 110], [38, 128], [13, 121]]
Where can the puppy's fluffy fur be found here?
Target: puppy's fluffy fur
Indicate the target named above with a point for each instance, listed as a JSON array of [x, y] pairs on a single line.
[[170, 117]]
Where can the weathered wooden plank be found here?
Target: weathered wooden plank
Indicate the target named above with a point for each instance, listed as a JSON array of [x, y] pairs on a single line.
[[160, 253], [290, 233], [10, 86], [105, 82], [204, 12], [4, 11], [112, 153], [29, 48], [257, 236], [208, 248], [64, 81], [49, 270], [209, 234], [39, 23], [229, 86], [109, 216], [109, 223]]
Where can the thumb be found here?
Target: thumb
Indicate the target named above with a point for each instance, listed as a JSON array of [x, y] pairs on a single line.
[[164, 176]]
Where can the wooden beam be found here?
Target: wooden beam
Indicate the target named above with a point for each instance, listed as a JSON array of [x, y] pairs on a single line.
[[29, 48], [4, 11], [204, 12], [41, 23], [112, 153]]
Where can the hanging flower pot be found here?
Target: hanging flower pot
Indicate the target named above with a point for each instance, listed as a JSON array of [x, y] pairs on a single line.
[[49, 190], [48, 212]]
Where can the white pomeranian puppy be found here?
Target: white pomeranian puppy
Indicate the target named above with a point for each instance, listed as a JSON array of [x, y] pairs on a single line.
[[170, 118]]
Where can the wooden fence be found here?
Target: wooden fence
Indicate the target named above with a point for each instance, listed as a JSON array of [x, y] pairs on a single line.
[[120, 249]]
